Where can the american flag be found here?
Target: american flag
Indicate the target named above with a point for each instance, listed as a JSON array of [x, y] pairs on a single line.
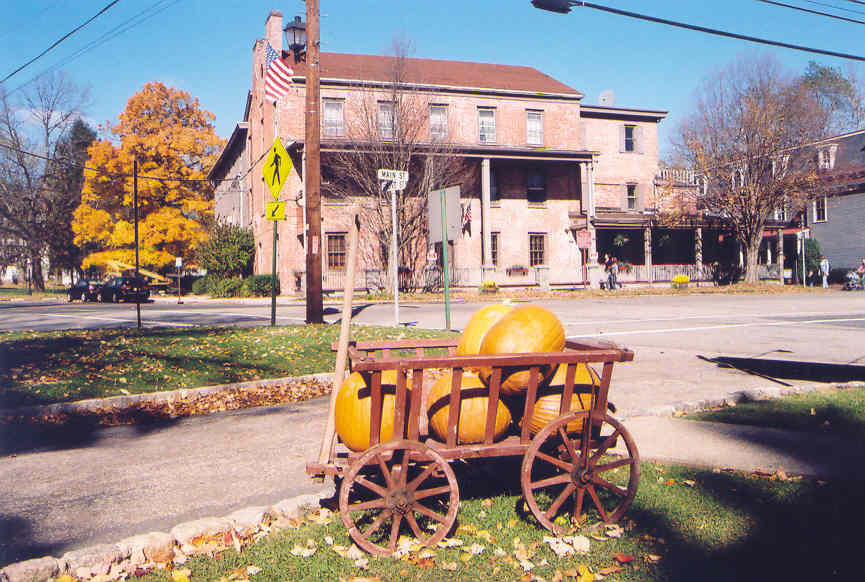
[[467, 215], [277, 79]]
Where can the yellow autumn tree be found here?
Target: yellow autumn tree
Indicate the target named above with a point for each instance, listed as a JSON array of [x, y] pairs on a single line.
[[173, 140]]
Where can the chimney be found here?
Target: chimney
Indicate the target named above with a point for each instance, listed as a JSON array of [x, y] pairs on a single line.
[[273, 30]]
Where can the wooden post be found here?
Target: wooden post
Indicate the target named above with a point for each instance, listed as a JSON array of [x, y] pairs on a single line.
[[329, 440]]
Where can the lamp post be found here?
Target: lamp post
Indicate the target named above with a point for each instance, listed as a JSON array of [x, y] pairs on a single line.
[[29, 275], [302, 39], [178, 264]]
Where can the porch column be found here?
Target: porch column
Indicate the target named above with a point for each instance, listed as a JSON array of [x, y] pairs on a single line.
[[647, 252], [593, 268], [486, 242], [779, 250], [698, 248]]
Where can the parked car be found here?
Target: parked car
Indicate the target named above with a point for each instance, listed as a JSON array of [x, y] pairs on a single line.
[[85, 290], [124, 289]]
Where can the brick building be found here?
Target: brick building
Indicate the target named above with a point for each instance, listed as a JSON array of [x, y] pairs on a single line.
[[537, 165]]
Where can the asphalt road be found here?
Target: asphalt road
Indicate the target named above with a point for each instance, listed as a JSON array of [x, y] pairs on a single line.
[[107, 484]]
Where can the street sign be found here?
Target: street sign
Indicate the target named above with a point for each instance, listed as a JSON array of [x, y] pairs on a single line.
[[178, 262], [277, 166], [453, 214], [393, 180], [276, 210], [584, 239]]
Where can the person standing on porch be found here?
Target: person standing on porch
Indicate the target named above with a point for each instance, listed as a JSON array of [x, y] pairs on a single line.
[[861, 272], [824, 271], [613, 274]]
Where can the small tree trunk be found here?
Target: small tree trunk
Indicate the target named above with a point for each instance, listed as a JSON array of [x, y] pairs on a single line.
[[37, 281], [752, 249]]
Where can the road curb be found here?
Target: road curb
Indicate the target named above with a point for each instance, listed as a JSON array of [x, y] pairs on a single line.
[[160, 549], [118, 403], [737, 397]]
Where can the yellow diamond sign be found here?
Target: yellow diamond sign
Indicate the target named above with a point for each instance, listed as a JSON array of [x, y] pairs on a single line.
[[277, 165]]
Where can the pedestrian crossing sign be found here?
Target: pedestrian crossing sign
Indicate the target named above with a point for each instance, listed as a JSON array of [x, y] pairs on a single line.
[[277, 166]]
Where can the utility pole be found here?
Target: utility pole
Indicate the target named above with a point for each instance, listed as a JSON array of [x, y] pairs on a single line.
[[135, 214], [314, 308]]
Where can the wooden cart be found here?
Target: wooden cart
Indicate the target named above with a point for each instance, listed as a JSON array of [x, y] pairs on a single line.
[[407, 485]]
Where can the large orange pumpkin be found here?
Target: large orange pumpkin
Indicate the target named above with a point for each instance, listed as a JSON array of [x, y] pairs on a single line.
[[473, 410], [353, 411], [547, 406], [478, 326], [529, 329]]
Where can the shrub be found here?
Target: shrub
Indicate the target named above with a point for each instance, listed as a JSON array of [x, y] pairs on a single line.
[[259, 285], [229, 251], [226, 287], [200, 286]]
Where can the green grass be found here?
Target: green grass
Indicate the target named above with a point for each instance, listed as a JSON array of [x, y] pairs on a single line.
[[839, 411], [685, 524], [21, 292], [58, 366]]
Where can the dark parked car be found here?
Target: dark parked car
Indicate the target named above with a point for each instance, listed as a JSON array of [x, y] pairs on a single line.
[[124, 289], [85, 290]]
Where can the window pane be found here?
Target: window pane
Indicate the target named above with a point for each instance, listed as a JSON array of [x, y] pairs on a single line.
[[336, 251], [632, 196], [494, 248], [333, 122], [629, 138], [536, 249], [487, 125], [438, 122], [536, 188], [820, 209], [534, 128], [385, 120], [494, 186]]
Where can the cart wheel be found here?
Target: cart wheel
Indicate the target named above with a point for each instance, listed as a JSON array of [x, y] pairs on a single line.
[[558, 480], [396, 485]]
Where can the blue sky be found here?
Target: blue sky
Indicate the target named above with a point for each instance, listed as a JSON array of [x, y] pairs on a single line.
[[204, 46]]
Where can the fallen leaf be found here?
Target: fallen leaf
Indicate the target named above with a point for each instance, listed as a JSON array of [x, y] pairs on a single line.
[[362, 563], [487, 503], [450, 543], [65, 578], [652, 558], [623, 558], [614, 530], [580, 543], [689, 482], [181, 575], [252, 570], [610, 570], [450, 566], [599, 537]]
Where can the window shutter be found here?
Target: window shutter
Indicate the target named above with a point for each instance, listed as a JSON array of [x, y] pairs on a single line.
[[621, 139], [638, 137]]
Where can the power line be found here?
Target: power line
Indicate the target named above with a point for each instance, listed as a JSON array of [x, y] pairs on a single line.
[[140, 176], [834, 7], [809, 11], [121, 28], [64, 37], [716, 31]]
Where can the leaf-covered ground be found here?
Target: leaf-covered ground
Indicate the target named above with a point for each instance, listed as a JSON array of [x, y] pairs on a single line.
[[685, 524], [62, 366]]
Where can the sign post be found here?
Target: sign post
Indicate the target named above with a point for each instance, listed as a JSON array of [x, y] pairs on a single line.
[[584, 241], [178, 264], [393, 181], [445, 221], [276, 167]]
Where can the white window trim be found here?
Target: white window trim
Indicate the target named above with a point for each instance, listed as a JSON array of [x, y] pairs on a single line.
[[539, 114], [825, 210], [341, 129], [386, 128], [434, 136], [636, 196], [495, 129], [826, 156]]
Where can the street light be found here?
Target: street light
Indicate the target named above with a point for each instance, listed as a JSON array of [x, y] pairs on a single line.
[[560, 6], [29, 275], [295, 38]]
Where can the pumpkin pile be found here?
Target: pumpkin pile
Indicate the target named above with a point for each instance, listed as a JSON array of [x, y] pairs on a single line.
[[493, 329]]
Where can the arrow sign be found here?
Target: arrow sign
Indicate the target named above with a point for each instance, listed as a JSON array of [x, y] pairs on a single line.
[[277, 166]]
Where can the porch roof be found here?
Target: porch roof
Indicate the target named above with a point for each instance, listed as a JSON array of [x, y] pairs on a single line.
[[471, 150]]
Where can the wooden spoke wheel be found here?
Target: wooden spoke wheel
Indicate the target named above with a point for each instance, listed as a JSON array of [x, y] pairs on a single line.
[[395, 486], [562, 478]]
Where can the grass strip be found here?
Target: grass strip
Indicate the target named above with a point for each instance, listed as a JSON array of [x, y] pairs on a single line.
[[685, 524], [61, 366], [838, 411]]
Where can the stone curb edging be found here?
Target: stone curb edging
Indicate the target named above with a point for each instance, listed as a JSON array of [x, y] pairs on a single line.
[[105, 562], [738, 397], [118, 403]]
